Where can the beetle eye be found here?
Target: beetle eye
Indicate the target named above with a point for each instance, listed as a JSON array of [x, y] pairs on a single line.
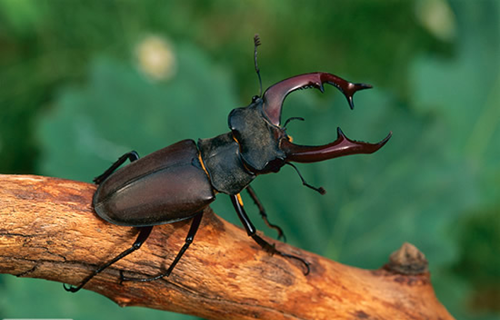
[[255, 98]]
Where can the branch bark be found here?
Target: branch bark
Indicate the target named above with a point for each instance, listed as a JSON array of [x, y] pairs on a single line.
[[48, 230]]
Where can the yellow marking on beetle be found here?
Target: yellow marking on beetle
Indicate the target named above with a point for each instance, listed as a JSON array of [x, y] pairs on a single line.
[[238, 196], [290, 138], [206, 172], [203, 165], [234, 138]]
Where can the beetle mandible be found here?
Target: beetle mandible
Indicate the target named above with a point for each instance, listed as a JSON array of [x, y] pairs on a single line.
[[186, 175]]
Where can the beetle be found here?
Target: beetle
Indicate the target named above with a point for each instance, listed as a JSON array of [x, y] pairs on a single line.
[[178, 182]]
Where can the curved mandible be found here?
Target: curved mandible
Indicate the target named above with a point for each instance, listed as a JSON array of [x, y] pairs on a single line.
[[343, 146], [275, 95]]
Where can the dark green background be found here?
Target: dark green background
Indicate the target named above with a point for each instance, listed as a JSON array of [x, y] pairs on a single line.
[[73, 98]]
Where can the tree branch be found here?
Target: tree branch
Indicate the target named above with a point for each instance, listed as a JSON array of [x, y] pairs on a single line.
[[48, 230]]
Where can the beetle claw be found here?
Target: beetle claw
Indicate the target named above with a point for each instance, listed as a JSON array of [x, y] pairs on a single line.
[[353, 87], [71, 288], [306, 264], [276, 94], [343, 146]]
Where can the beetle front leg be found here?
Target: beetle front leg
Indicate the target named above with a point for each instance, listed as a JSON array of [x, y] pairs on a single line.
[[131, 156], [252, 232], [263, 213]]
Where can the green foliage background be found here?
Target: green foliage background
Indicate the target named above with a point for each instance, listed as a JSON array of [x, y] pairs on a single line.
[[73, 98]]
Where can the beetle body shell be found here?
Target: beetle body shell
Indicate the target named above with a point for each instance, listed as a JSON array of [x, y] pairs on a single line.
[[166, 186]]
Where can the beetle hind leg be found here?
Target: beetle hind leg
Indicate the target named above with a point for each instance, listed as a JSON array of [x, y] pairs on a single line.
[[131, 156], [144, 233], [189, 239], [252, 232]]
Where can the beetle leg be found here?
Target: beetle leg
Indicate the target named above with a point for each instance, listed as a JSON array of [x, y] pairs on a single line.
[[131, 156], [189, 239], [251, 231], [144, 233], [263, 213]]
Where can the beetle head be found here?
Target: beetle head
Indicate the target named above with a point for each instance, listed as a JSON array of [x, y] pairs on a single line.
[[265, 146], [258, 139]]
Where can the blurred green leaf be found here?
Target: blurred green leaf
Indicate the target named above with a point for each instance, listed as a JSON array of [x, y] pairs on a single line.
[[22, 15], [465, 94], [479, 237]]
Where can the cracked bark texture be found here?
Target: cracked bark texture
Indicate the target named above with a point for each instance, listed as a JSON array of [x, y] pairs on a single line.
[[48, 230]]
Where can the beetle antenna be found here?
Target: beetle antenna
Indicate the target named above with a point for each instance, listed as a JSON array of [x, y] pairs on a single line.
[[256, 43], [321, 190]]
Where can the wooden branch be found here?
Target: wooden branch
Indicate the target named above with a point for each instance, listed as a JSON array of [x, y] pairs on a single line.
[[48, 230]]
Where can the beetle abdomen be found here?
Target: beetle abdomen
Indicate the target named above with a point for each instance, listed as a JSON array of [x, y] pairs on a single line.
[[166, 186]]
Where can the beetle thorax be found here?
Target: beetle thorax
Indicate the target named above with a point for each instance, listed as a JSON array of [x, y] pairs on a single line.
[[258, 139]]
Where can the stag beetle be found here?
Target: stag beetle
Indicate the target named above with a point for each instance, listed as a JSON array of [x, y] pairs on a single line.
[[178, 182]]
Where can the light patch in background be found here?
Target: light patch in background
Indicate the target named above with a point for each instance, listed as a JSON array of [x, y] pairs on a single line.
[[437, 17], [156, 58]]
